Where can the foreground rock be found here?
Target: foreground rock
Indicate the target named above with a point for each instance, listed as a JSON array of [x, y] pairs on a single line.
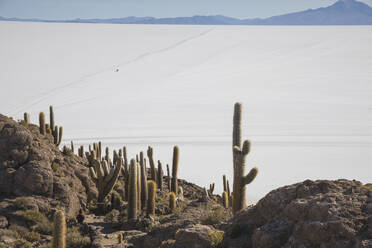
[[31, 165], [335, 214]]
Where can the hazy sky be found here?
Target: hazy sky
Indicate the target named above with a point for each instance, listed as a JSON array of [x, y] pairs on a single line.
[[66, 9]]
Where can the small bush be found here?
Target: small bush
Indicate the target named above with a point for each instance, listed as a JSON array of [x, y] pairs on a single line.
[[37, 221], [112, 217], [76, 240], [21, 203], [21, 230], [9, 233], [22, 244], [32, 236], [215, 216], [215, 238]]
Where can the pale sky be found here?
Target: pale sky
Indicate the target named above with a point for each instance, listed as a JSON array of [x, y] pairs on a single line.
[[70, 9]]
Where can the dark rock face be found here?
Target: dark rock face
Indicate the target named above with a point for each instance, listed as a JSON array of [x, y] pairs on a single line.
[[310, 214], [31, 165]]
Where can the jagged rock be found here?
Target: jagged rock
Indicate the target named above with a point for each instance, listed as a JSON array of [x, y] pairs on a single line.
[[31, 165], [308, 214], [3, 222]]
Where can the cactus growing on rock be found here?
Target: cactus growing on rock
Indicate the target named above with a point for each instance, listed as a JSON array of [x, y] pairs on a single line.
[[150, 153], [150, 209], [168, 178], [225, 199], [59, 230], [104, 176], [42, 123], [51, 117], [211, 188], [26, 117], [160, 176], [139, 186], [172, 201], [133, 194], [144, 190], [239, 154], [174, 185]]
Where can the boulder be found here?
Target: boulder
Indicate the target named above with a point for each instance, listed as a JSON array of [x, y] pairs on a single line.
[[310, 214]]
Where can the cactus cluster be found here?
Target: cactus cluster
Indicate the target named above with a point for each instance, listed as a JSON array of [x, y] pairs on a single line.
[[50, 128], [104, 175]]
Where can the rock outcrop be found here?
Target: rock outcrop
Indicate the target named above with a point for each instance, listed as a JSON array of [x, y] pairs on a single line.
[[31, 165], [321, 213]]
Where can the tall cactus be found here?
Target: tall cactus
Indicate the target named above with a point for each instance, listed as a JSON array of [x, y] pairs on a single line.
[[211, 189], [26, 117], [160, 176], [126, 174], [172, 201], [150, 153], [175, 169], [224, 183], [104, 176], [42, 122], [168, 178], [51, 117], [59, 230], [133, 195], [228, 188], [144, 190], [225, 199], [151, 185], [139, 186], [239, 154]]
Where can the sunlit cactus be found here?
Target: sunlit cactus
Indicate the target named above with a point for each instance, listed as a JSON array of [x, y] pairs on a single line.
[[42, 122], [174, 185], [151, 186], [59, 230], [239, 155]]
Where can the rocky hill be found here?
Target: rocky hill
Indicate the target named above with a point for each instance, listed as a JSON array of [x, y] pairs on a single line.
[[36, 179]]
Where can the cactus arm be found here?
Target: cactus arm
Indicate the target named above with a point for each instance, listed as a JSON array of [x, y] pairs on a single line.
[[250, 176]]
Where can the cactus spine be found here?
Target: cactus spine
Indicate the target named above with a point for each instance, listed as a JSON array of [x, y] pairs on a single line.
[[150, 153], [172, 201], [225, 199], [144, 190], [239, 154], [59, 230], [132, 198], [42, 122], [151, 185], [160, 176], [104, 175], [175, 169]]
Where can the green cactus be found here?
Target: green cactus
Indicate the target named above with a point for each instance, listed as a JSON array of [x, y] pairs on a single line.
[[144, 190], [42, 122], [168, 178], [174, 185], [26, 117], [51, 117], [126, 174], [81, 151], [72, 147], [151, 185], [239, 154], [150, 153], [133, 194], [59, 230], [160, 176], [172, 202], [104, 176], [225, 199]]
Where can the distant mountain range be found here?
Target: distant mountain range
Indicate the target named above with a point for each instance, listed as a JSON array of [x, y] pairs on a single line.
[[343, 12]]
